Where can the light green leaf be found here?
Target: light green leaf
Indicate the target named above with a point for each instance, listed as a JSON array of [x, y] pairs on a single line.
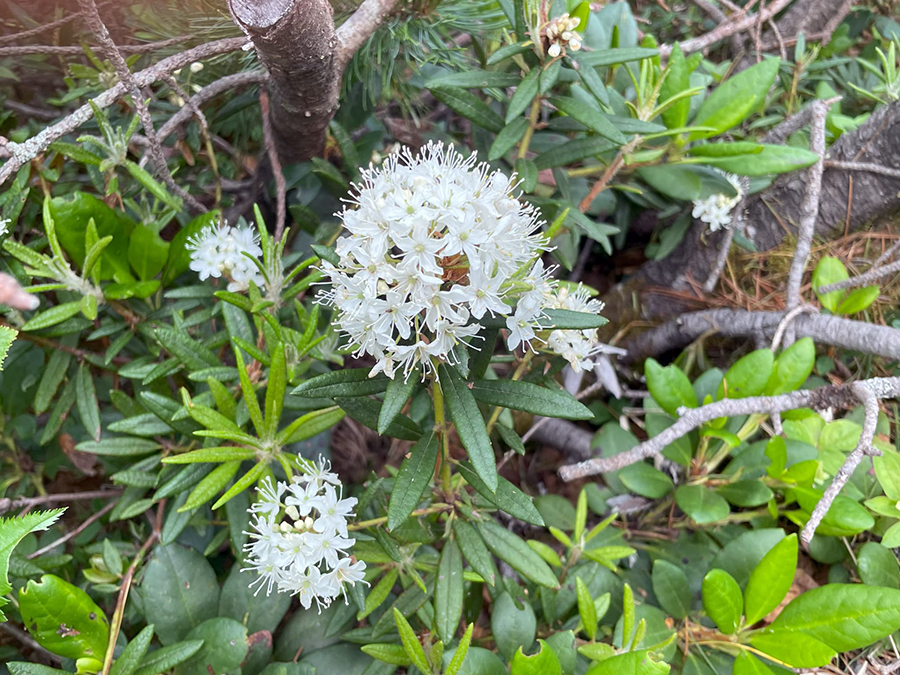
[[411, 643], [670, 585], [701, 504], [722, 600], [544, 662], [858, 300], [669, 387], [748, 376], [792, 648], [12, 531], [792, 367], [829, 271], [771, 579], [734, 100]]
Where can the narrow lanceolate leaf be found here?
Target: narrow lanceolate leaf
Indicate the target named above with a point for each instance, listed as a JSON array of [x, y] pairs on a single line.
[[735, 99], [415, 473], [242, 483], [224, 454], [474, 550], [396, 396], [190, 352], [52, 316], [54, 374], [517, 554], [448, 592], [379, 593], [771, 579], [249, 394], [86, 401], [350, 382], [590, 117], [131, 656], [411, 643], [460, 656], [275, 389], [586, 609], [507, 497], [469, 106], [524, 95], [469, 424], [207, 488], [166, 658], [531, 398]]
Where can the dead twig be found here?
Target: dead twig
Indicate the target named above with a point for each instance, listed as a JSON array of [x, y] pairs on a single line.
[[74, 533], [272, 152], [864, 448], [8, 504], [844, 396]]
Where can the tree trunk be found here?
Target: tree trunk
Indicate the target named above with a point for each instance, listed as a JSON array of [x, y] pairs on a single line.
[[296, 41]]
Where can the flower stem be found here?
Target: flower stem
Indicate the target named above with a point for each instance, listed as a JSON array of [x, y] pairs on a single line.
[[441, 424]]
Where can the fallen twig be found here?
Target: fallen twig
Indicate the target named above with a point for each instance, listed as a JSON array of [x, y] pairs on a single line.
[[272, 152], [844, 396], [864, 279]]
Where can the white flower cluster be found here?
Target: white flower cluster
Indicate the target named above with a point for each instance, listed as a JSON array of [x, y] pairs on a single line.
[[561, 35], [578, 347], [219, 250], [434, 242], [716, 209], [299, 543]]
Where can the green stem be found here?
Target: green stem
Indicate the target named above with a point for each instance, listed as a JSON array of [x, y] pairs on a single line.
[[441, 424], [532, 123], [363, 524]]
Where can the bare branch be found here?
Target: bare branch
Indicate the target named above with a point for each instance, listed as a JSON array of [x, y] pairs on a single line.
[[724, 249], [354, 32], [809, 209], [794, 123], [73, 50], [272, 152], [690, 418], [8, 504], [786, 321], [74, 533], [823, 329], [863, 449], [737, 25], [22, 153], [863, 279], [863, 166], [98, 28]]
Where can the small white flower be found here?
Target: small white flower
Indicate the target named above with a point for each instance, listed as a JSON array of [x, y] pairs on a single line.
[[716, 209], [299, 545], [220, 250], [196, 67], [578, 347], [4, 226]]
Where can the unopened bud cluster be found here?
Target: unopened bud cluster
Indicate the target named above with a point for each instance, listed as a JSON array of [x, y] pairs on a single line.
[[561, 35]]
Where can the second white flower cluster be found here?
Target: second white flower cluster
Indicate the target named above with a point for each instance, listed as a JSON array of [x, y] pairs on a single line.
[[716, 209], [223, 251], [300, 541]]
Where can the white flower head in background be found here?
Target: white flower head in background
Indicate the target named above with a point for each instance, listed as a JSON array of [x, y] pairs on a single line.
[[561, 35], [433, 244], [218, 250], [299, 541], [578, 347], [716, 209]]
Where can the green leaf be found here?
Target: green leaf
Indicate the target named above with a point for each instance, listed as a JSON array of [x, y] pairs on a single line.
[[592, 79], [531, 398], [366, 411], [152, 185], [734, 100], [586, 609], [461, 650], [616, 56], [63, 619], [309, 425], [12, 531], [748, 376], [475, 79], [792, 648], [701, 504], [677, 80], [348, 383], [646, 481], [7, 337], [772, 159], [670, 585], [393, 654], [513, 627], [528, 173], [858, 300], [843, 616], [469, 423], [179, 590], [771, 579], [166, 658], [507, 497], [22, 668], [53, 375], [209, 487], [86, 401], [747, 664], [722, 600], [746, 493], [395, 397], [845, 518], [131, 656], [544, 662], [226, 453], [225, 648], [275, 389], [792, 367], [567, 319], [473, 549], [125, 446], [678, 181], [190, 352], [590, 117], [242, 483], [415, 475], [517, 554], [51, 317], [887, 470], [669, 387], [469, 106], [411, 643], [829, 271], [249, 392], [448, 592], [630, 663], [877, 565], [512, 133], [147, 252], [524, 95], [379, 593]]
